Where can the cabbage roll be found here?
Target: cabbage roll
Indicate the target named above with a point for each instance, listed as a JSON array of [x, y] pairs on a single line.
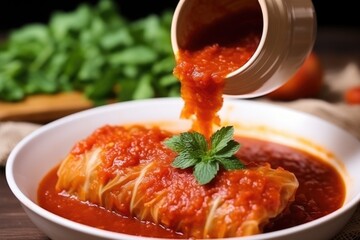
[[128, 170]]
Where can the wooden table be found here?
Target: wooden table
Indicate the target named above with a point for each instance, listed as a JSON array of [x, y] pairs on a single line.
[[335, 48], [14, 223]]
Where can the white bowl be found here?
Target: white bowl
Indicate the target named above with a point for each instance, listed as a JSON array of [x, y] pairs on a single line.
[[40, 151]]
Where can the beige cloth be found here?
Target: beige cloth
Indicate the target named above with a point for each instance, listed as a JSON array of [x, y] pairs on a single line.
[[344, 116], [10, 134]]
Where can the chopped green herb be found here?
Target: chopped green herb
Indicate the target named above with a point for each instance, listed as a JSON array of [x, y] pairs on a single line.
[[94, 50], [206, 158]]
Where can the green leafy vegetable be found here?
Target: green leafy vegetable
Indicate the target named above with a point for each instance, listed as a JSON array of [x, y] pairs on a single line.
[[206, 158], [92, 49]]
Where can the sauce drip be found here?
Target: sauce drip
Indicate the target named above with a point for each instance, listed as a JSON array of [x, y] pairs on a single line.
[[202, 66]]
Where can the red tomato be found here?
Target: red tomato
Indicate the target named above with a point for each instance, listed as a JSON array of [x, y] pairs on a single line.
[[305, 83], [352, 95]]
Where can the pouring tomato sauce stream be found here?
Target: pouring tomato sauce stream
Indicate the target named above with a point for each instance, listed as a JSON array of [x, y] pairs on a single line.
[[202, 66]]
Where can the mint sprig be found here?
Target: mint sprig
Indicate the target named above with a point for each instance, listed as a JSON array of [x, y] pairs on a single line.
[[205, 158]]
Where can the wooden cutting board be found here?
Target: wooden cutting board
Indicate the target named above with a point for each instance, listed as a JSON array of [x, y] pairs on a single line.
[[44, 108]]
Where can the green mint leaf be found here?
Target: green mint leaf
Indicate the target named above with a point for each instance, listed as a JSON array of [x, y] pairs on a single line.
[[205, 172], [230, 149], [175, 143], [194, 151], [220, 138], [184, 160], [194, 141], [231, 163], [190, 142]]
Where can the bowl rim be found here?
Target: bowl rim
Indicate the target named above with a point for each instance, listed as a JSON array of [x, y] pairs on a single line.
[[105, 234]]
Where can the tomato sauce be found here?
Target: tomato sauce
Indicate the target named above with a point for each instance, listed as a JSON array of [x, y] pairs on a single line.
[[321, 188], [321, 191], [93, 215], [202, 66]]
